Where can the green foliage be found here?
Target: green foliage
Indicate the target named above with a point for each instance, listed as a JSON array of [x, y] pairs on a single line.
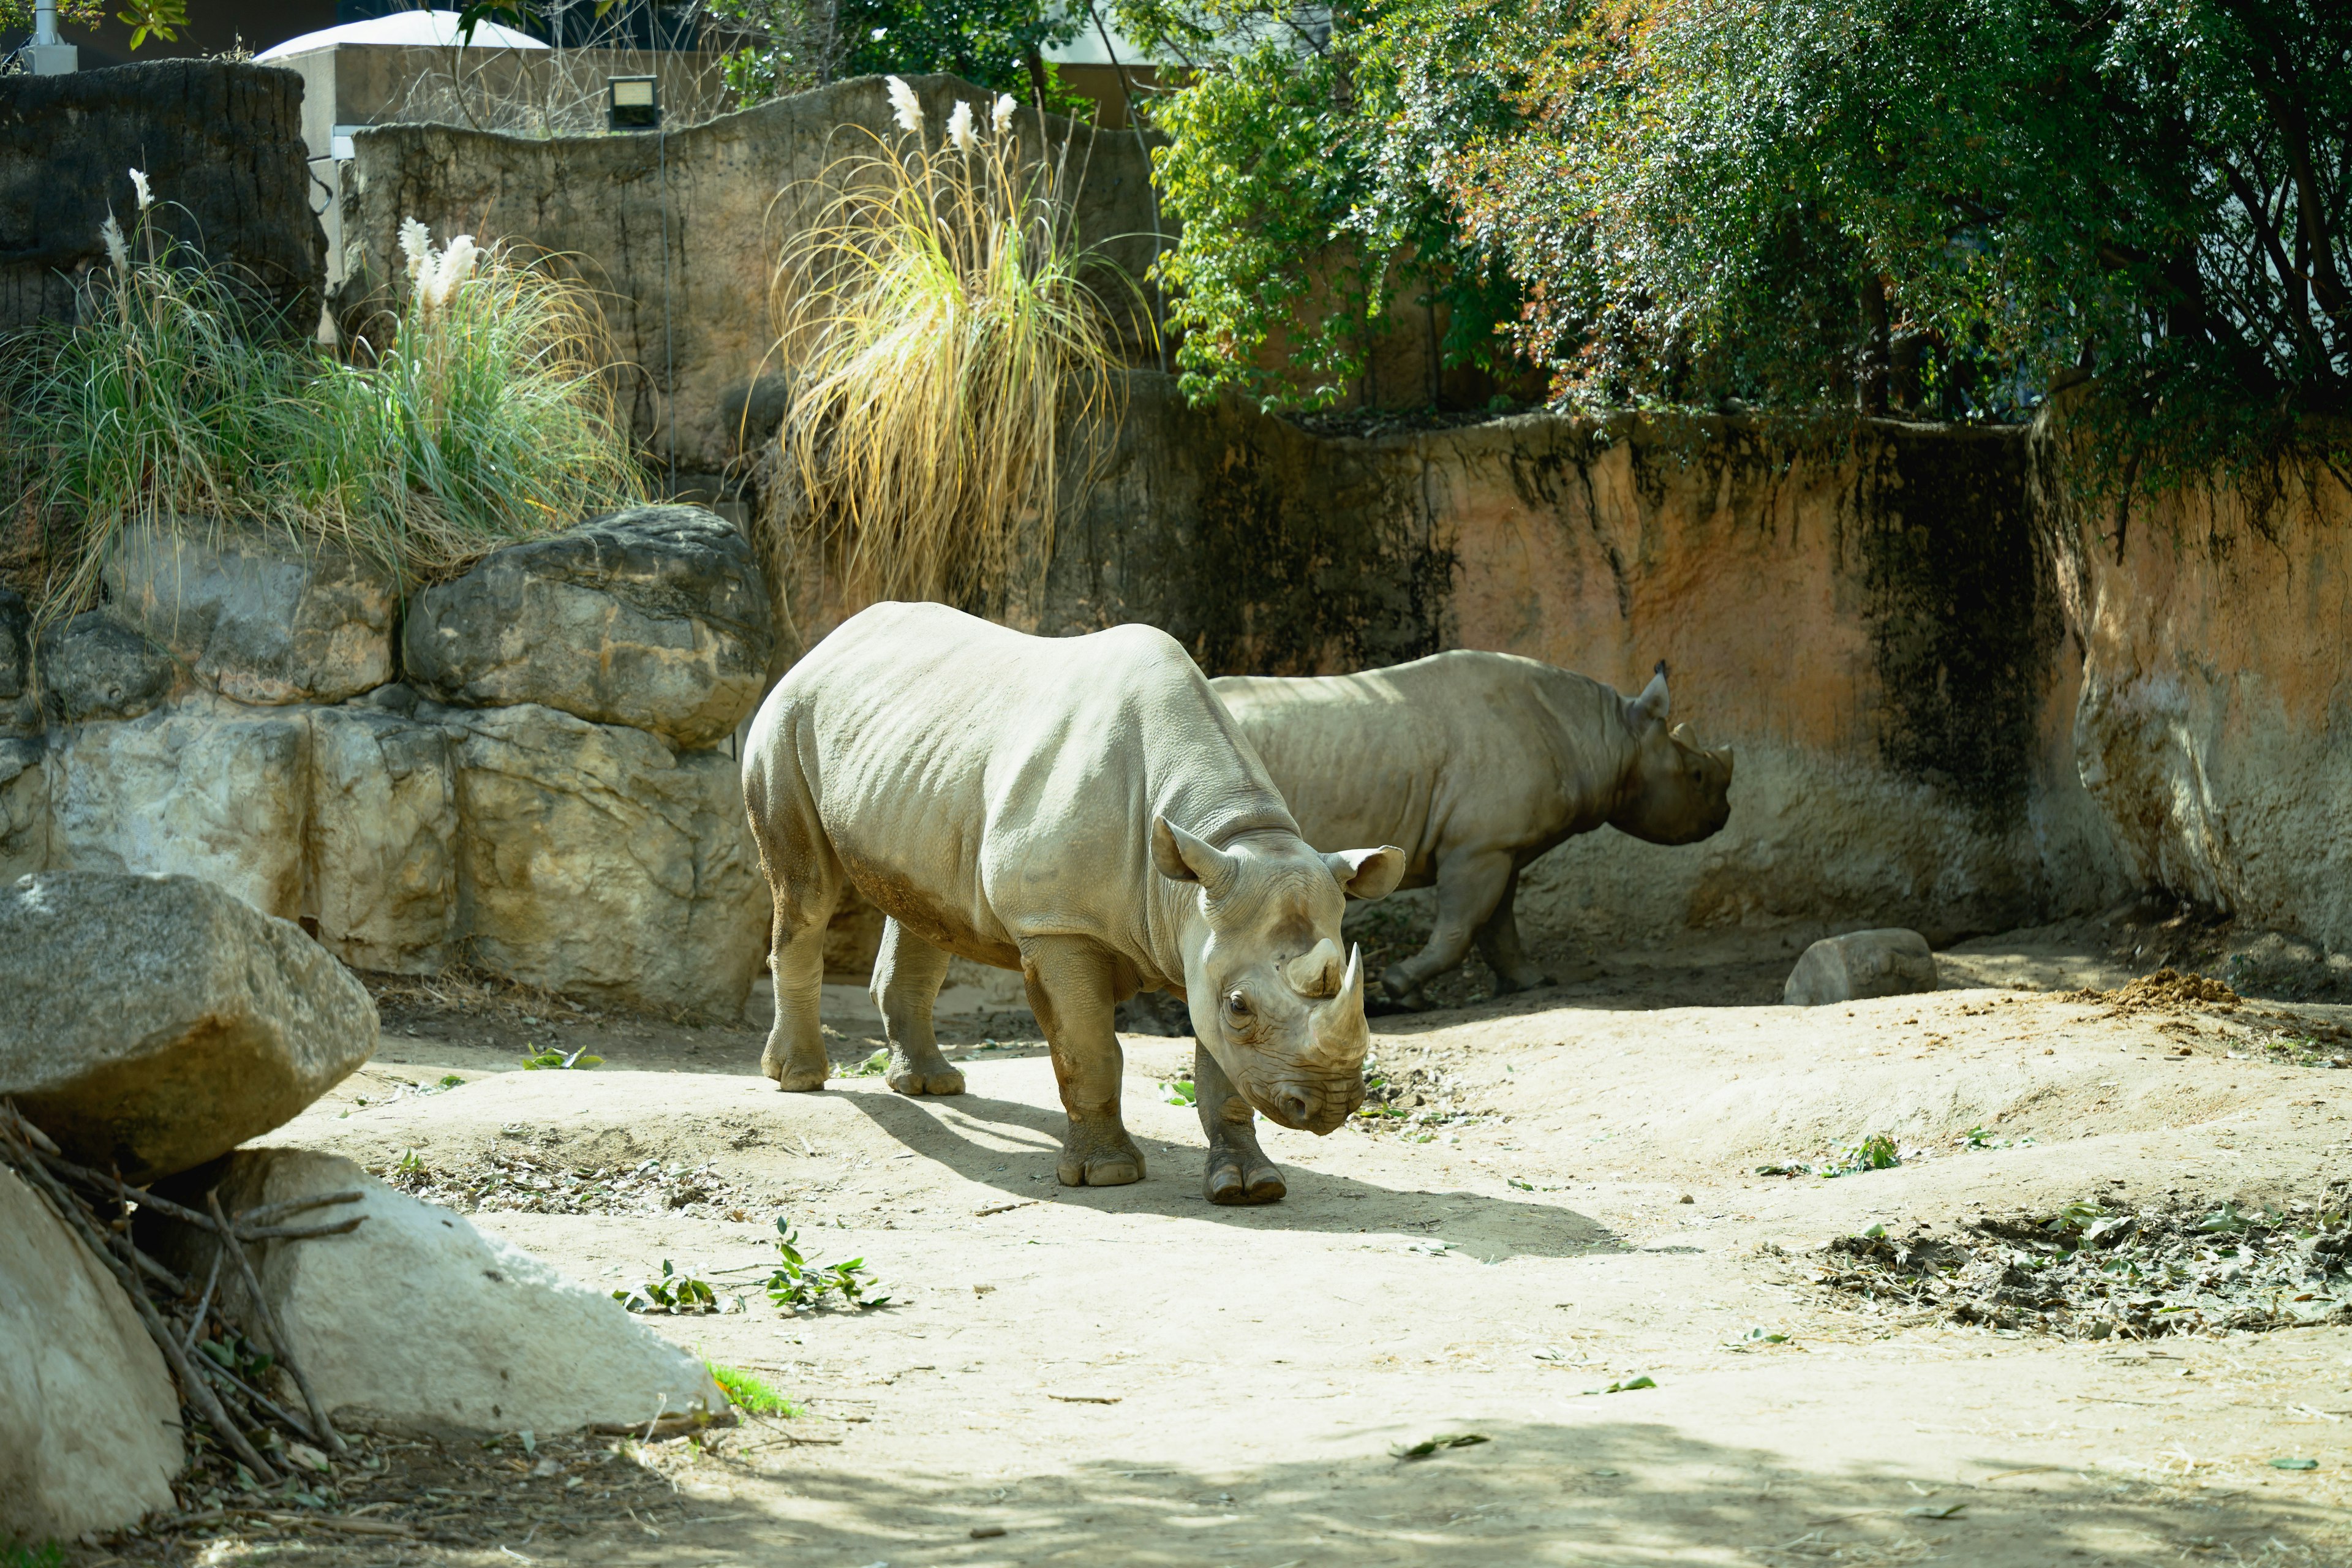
[[749, 1394], [1179, 1092], [790, 46], [550, 1060], [680, 1295], [47, 1554], [802, 1285], [479, 412], [874, 1066]]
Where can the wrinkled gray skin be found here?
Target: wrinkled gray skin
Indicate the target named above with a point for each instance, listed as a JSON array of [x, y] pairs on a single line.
[[1082, 810], [1477, 763]]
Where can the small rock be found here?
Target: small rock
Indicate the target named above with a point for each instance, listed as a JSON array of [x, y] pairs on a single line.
[[1685, 1198], [656, 617], [157, 1022], [419, 1318], [94, 667], [1891, 962], [252, 616], [89, 1421]]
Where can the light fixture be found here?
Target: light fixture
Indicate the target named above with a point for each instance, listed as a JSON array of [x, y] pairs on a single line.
[[634, 102]]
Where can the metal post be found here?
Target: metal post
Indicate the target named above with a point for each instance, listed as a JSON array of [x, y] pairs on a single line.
[[45, 56]]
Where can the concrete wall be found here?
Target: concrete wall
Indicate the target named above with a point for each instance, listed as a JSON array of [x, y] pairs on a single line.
[[221, 145]]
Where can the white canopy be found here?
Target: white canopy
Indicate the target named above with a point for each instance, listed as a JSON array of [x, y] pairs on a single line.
[[428, 29]]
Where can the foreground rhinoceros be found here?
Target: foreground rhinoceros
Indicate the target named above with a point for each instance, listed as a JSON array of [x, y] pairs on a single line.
[[1079, 809], [1477, 763]]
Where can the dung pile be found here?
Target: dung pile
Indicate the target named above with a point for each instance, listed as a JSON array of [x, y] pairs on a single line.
[[2086, 1272], [2166, 990]]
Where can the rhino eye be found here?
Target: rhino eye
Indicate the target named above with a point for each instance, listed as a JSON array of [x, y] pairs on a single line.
[[1237, 1007]]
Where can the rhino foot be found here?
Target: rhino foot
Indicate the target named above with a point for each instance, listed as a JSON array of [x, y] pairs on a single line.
[[927, 1073], [1099, 1159], [794, 1076], [1234, 1181]]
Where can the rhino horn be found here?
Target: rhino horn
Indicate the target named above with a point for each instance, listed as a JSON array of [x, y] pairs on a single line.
[[1181, 857], [1316, 973], [1724, 752]]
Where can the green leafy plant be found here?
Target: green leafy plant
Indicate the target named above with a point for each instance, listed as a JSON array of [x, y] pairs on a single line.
[[1179, 1092], [682, 1295], [803, 1285], [46, 1555], [874, 1066], [940, 321], [410, 1163], [451, 1081], [749, 1394], [557, 1060]]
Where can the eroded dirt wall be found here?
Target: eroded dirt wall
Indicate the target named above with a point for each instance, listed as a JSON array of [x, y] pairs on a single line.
[[2215, 724], [1870, 619]]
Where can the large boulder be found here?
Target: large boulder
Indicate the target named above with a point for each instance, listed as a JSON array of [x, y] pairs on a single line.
[[593, 861], [656, 617], [90, 1423], [383, 839], [94, 667], [1861, 965], [24, 806], [20, 704], [255, 616], [419, 1318], [202, 789], [156, 1022]]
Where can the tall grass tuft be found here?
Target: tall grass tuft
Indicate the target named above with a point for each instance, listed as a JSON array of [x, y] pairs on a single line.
[[484, 412], [940, 323]]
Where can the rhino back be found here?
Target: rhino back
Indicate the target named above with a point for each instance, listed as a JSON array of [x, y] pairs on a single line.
[[984, 786], [1460, 750]]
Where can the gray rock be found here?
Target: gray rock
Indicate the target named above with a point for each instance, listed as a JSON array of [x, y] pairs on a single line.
[[2288, 968], [24, 806], [204, 789], [94, 667], [656, 617], [20, 705], [156, 1022], [89, 1422], [419, 1318], [381, 848], [1860, 965], [252, 616], [593, 861]]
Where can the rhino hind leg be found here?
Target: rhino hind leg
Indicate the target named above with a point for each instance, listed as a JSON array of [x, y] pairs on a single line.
[[1070, 989], [1498, 942], [907, 975], [795, 1055], [1468, 889], [1238, 1170]]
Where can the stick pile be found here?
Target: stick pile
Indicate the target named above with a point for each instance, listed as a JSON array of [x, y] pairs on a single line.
[[97, 1208]]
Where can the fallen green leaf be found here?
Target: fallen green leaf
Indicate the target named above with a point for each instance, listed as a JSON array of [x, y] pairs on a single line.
[[1428, 1446], [2295, 1464], [1949, 1510], [1644, 1380]]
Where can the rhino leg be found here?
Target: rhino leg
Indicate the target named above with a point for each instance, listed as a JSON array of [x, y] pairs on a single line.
[[1468, 887], [1238, 1170], [907, 975], [1071, 991], [1498, 941], [795, 1055]]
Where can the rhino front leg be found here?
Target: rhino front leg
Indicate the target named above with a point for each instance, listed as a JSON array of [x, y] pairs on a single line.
[[1070, 990], [1468, 887], [906, 975], [1498, 941], [1238, 1170]]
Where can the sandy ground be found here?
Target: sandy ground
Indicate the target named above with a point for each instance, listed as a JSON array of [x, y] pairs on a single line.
[[1129, 1375]]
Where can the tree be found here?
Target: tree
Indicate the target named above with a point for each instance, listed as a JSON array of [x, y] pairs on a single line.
[[789, 45]]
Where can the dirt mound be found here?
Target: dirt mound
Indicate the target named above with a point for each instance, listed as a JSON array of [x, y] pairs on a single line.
[[2087, 1272], [2166, 990]]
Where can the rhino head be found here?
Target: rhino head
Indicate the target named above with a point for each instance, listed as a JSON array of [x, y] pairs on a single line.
[[1264, 978], [1672, 791]]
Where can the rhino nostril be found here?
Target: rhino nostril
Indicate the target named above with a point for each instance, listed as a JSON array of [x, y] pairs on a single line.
[[1294, 1104]]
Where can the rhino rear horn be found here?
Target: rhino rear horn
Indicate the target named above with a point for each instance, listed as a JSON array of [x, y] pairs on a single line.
[[1181, 858], [1316, 973]]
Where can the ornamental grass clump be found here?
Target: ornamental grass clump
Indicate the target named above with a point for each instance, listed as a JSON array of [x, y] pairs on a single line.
[[941, 322], [479, 411]]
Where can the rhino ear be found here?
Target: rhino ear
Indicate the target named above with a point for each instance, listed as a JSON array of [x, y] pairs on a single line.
[[1368, 874], [1181, 858], [1651, 707]]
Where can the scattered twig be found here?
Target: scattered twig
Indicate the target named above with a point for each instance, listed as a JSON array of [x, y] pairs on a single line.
[[203, 1303], [270, 1325]]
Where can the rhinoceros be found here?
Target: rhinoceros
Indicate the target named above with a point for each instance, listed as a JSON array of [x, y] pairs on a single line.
[[1080, 809], [1476, 763]]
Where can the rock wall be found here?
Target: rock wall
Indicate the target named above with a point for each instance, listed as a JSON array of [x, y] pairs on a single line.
[[559, 815], [1870, 618], [682, 232], [2214, 729], [221, 145]]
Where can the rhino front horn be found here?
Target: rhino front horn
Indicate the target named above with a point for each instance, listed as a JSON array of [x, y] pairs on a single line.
[[1316, 973]]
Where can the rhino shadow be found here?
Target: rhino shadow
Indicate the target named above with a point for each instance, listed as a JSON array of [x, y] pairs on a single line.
[[1489, 1228]]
